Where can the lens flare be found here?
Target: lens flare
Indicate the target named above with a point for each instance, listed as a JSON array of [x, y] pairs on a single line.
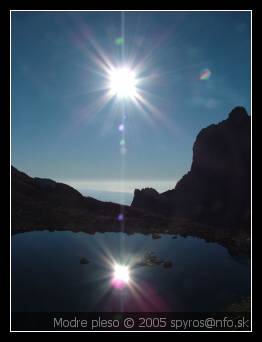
[[122, 142], [120, 217], [120, 276], [119, 41], [123, 150], [121, 127], [205, 75]]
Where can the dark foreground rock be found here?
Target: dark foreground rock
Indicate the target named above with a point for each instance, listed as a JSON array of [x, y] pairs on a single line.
[[156, 236], [84, 261], [167, 264], [150, 259], [243, 306]]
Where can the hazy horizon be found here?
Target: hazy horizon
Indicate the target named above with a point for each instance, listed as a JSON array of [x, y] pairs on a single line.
[[117, 191]]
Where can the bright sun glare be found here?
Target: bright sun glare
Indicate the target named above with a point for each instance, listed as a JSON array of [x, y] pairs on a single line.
[[121, 273], [123, 83]]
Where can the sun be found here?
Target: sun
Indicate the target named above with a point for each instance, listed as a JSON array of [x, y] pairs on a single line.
[[121, 276], [122, 83], [121, 273]]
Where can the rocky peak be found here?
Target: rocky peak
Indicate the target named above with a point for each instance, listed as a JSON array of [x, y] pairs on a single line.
[[146, 198], [238, 114], [216, 190], [147, 192]]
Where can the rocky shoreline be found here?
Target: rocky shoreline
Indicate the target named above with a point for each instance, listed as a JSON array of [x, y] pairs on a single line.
[[236, 242]]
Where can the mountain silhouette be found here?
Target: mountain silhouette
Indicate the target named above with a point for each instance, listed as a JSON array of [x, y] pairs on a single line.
[[46, 203], [39, 203], [217, 188], [212, 201]]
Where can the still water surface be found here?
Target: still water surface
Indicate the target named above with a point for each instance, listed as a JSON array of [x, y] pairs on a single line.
[[47, 274]]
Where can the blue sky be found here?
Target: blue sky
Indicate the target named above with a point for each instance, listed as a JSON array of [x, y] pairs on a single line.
[[59, 130]]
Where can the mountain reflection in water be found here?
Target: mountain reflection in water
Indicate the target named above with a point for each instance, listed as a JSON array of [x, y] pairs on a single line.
[[47, 274]]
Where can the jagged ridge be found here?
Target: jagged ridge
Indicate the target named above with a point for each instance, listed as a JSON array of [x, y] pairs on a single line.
[[217, 188]]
